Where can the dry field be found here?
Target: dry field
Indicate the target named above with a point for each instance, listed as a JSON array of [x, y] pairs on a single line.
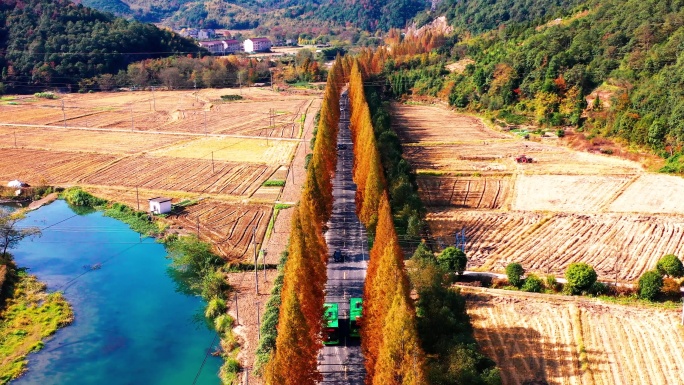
[[540, 338], [568, 206], [487, 192], [247, 150], [232, 228], [168, 111], [178, 174], [569, 193], [59, 139], [54, 167], [545, 243]]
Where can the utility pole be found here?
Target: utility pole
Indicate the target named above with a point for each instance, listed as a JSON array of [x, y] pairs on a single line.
[[237, 311], [256, 272], [63, 113], [15, 139], [263, 260], [137, 197], [258, 320], [198, 227]]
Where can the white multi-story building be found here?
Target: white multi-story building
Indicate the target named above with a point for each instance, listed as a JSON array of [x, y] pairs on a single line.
[[258, 44]]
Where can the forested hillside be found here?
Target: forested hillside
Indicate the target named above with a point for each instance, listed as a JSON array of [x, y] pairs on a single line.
[[57, 43], [270, 14], [632, 51]]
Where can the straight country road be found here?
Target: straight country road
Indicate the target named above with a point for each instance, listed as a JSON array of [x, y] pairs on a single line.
[[343, 363]]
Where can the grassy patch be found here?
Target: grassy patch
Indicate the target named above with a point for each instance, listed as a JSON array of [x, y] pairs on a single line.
[[31, 315], [274, 183], [429, 173], [674, 165], [228, 98], [139, 221]]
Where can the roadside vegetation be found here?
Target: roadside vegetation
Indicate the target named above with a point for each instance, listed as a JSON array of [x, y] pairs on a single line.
[[659, 287], [288, 354]]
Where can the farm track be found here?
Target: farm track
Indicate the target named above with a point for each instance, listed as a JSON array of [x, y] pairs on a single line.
[[533, 338]]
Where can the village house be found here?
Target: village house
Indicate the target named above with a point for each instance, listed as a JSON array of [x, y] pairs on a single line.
[[221, 47], [258, 44]]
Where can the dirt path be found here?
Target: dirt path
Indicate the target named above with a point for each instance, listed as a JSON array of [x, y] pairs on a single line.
[[43, 201]]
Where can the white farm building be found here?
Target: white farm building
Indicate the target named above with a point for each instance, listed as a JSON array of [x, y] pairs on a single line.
[[160, 205]]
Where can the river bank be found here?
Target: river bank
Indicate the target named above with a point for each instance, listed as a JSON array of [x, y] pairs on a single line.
[[121, 287]]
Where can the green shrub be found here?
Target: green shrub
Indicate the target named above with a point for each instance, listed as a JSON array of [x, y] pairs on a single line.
[[514, 272], [215, 307], [45, 95], [533, 284], [580, 278], [650, 285], [670, 265], [223, 323], [551, 282], [77, 197], [453, 259], [599, 288]]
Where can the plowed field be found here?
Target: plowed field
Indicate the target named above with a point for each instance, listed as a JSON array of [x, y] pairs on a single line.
[[631, 244], [59, 139], [539, 338], [233, 149], [177, 174], [54, 167], [473, 193], [230, 227]]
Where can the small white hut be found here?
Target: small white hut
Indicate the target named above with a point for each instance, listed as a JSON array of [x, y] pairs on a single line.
[[160, 205], [17, 184]]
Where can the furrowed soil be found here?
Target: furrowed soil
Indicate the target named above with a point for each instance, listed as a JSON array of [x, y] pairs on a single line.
[[566, 206], [576, 341]]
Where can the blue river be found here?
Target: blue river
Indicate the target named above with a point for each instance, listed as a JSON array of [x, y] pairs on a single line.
[[133, 323]]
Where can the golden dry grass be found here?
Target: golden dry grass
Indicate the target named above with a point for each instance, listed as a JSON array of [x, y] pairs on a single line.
[[233, 149]]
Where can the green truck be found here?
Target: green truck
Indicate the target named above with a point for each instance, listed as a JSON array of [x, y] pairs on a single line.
[[355, 310], [331, 333]]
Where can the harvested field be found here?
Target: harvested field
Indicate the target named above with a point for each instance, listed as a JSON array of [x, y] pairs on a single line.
[[540, 338], [463, 192], [499, 156], [194, 175], [165, 111], [232, 228], [419, 124], [550, 242], [53, 167], [233, 149], [572, 193], [652, 193], [59, 139]]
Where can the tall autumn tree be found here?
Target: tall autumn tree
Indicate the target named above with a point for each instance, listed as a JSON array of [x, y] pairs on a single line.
[[401, 360]]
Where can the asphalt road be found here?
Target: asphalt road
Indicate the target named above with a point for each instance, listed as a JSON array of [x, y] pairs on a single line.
[[343, 364]]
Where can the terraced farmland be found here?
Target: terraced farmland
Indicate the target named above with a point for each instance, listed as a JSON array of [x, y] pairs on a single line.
[[538, 338]]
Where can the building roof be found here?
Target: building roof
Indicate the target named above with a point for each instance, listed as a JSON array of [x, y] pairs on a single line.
[[210, 42], [159, 199], [260, 39]]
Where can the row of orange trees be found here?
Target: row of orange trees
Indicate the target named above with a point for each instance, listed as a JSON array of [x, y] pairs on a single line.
[[298, 340], [389, 337]]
